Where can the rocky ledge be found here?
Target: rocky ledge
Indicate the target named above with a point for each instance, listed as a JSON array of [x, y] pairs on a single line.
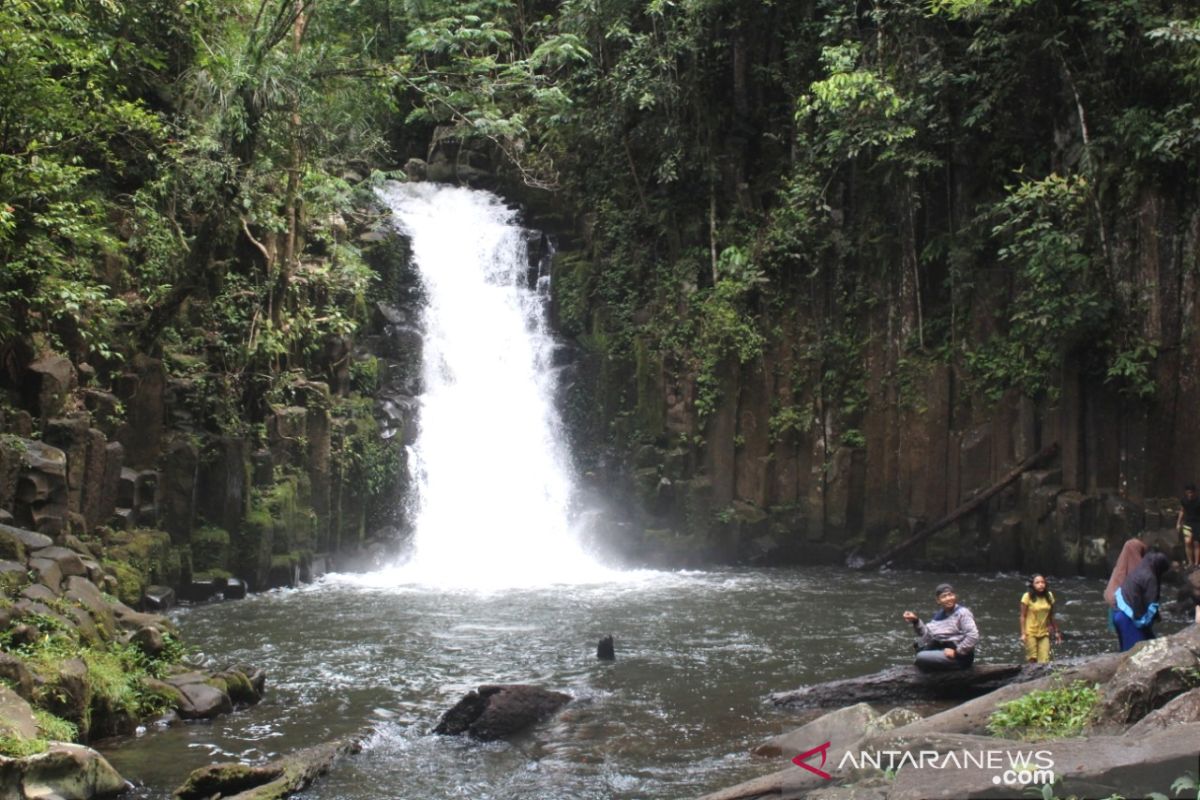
[[77, 664], [1138, 737]]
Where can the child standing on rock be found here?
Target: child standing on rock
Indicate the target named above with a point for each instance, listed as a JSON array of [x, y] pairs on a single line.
[[1037, 620]]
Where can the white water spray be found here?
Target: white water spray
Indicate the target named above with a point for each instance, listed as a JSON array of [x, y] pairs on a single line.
[[490, 473]]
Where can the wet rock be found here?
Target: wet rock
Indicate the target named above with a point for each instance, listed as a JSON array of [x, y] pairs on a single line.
[[605, 651], [908, 683], [201, 701], [279, 778], [158, 598], [235, 589], [496, 711], [201, 591], [72, 772]]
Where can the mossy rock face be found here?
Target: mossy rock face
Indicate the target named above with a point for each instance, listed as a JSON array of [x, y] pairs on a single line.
[[210, 549], [142, 557], [130, 582], [11, 548], [13, 578]]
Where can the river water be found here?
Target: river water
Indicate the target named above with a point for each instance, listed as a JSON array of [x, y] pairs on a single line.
[[673, 717]]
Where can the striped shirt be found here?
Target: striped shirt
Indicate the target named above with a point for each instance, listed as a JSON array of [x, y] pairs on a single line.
[[956, 630]]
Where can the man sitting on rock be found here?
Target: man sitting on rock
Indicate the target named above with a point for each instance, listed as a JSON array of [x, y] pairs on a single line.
[[948, 641]]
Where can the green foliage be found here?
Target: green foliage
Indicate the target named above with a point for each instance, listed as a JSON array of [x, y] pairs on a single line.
[[1046, 713], [1061, 301], [14, 746], [363, 458]]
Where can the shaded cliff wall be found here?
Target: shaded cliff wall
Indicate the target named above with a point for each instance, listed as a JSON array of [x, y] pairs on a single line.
[[167, 444], [779, 472]]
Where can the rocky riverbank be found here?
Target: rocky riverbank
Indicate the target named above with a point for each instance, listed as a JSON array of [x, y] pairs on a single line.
[[79, 664], [1135, 730]]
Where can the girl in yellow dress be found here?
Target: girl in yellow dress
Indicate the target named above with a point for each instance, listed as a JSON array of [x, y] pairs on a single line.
[[1037, 620]]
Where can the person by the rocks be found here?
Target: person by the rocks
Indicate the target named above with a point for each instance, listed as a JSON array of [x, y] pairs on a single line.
[[1132, 553], [1137, 600], [946, 642], [1188, 525], [1037, 620]]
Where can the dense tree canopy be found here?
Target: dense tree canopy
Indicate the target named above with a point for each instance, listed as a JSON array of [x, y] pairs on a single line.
[[178, 173]]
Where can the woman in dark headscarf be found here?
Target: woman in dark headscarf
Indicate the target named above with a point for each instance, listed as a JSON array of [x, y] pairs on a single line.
[[1137, 600]]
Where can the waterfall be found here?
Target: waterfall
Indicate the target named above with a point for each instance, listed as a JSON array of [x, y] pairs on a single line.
[[491, 477]]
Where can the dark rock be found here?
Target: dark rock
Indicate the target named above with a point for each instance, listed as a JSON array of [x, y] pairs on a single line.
[[493, 712], [149, 640], [263, 467], [52, 378], [199, 700], [142, 390], [201, 591], [235, 589], [158, 598], [14, 673], [900, 684], [22, 635], [605, 651], [70, 434], [177, 499], [223, 492]]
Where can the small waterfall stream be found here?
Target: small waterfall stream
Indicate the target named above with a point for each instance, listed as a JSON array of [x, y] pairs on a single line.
[[491, 478]]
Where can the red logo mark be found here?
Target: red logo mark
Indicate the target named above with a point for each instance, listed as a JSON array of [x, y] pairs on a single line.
[[800, 760]]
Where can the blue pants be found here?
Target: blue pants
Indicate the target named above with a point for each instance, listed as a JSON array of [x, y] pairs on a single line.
[[1129, 634]]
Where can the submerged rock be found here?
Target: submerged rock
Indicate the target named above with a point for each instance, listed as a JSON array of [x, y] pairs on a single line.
[[496, 711]]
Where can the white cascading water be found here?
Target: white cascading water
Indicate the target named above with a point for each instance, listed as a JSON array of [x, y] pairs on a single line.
[[491, 477]]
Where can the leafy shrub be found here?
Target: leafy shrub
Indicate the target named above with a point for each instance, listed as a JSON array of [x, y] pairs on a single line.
[[1046, 713]]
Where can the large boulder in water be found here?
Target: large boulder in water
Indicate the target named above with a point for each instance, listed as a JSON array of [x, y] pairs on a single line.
[[496, 711]]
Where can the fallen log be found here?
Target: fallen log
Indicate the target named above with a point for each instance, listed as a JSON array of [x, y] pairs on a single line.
[[905, 684], [276, 779], [966, 508]]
